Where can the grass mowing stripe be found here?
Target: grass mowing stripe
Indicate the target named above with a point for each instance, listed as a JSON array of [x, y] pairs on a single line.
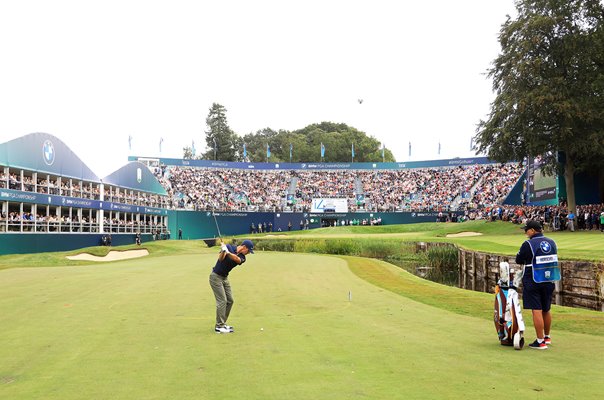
[[462, 301]]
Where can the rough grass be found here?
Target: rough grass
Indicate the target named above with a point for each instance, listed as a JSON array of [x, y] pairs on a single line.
[[463, 302]]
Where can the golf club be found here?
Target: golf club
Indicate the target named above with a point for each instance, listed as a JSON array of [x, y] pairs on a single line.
[[217, 227]]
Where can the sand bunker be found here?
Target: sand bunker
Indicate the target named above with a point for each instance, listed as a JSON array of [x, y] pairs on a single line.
[[111, 256], [463, 234]]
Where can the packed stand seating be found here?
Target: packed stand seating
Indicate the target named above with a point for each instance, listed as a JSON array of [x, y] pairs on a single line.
[[227, 189], [496, 183], [260, 190], [324, 184], [202, 189], [418, 189], [384, 190]]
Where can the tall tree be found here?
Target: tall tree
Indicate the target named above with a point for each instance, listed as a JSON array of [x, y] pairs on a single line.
[[221, 142], [549, 85], [187, 153]]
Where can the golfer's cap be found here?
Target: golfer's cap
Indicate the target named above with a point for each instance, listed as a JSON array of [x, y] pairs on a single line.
[[249, 245], [532, 224]]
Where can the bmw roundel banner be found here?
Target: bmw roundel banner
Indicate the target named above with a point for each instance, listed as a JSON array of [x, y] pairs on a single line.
[[48, 152]]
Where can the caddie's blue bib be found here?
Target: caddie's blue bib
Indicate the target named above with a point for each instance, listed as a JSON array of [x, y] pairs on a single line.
[[545, 259]]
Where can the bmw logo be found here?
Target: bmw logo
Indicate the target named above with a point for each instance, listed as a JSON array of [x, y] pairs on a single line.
[[48, 152], [545, 247], [413, 215]]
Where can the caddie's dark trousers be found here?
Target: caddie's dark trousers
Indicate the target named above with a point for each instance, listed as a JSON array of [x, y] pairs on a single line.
[[224, 298]]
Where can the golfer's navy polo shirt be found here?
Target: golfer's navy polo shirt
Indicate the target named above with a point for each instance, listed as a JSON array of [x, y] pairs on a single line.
[[225, 266]]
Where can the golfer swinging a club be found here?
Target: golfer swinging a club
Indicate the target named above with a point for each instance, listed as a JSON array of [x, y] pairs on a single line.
[[229, 257]]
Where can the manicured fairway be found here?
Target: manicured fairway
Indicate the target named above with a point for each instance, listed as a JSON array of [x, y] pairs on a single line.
[[143, 329]]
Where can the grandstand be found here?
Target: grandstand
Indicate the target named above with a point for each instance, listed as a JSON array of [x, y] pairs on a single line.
[[442, 188], [50, 200]]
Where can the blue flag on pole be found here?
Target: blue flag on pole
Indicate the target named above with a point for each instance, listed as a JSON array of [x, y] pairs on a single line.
[[322, 150], [383, 150], [268, 151], [353, 150], [244, 152]]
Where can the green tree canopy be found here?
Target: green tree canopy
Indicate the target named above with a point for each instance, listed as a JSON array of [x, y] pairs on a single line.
[[549, 86], [221, 142], [305, 144], [187, 153]]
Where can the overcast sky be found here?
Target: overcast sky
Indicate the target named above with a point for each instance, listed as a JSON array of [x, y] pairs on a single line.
[[95, 73]]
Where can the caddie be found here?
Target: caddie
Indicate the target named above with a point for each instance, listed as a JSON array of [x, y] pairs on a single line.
[[539, 255]]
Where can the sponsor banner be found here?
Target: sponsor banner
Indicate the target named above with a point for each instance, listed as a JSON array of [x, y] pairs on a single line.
[[80, 203], [76, 202], [226, 214], [154, 211], [120, 207], [45, 199], [331, 215], [14, 195], [320, 165], [427, 214]]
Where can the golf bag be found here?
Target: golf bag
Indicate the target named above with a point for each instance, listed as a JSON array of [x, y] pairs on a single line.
[[508, 313]]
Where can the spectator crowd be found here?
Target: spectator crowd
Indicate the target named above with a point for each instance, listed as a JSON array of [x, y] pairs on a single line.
[[555, 217], [427, 189]]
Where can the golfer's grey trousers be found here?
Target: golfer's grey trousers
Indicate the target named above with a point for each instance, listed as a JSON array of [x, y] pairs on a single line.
[[224, 298]]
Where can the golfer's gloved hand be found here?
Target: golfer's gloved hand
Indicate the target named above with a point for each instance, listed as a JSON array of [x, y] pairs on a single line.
[[224, 248]]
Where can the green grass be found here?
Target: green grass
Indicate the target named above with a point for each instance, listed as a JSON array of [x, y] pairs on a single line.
[[156, 249], [497, 237], [142, 329], [460, 301]]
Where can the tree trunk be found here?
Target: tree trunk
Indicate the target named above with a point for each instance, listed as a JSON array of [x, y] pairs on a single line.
[[569, 178]]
